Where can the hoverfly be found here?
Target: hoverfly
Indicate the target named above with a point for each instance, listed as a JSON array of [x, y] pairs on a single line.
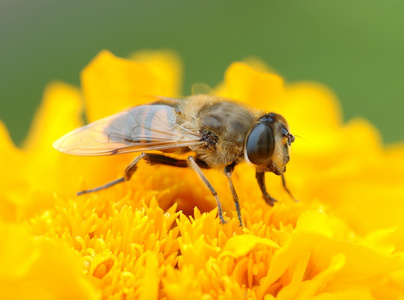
[[222, 133]]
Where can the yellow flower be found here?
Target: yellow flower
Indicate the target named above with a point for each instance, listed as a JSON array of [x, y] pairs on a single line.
[[158, 235]]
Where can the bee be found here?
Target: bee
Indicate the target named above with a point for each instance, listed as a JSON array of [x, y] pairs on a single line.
[[220, 132]]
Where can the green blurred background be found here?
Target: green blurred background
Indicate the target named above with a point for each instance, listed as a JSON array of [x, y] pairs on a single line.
[[355, 47]]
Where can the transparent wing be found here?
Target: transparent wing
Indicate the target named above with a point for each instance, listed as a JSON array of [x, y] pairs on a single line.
[[142, 128], [200, 88]]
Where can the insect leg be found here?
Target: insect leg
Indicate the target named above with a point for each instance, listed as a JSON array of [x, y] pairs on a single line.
[[159, 159], [127, 175], [228, 171], [109, 184], [192, 162], [152, 159], [286, 189], [260, 176]]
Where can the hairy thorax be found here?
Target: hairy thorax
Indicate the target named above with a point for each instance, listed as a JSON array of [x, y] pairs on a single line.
[[223, 125]]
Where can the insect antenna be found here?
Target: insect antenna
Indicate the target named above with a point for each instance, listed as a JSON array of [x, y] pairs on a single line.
[[299, 137]]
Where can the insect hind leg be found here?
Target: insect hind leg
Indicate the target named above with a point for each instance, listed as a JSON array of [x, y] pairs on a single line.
[[130, 169], [152, 159], [109, 184]]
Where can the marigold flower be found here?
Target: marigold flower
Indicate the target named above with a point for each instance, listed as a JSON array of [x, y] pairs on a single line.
[[158, 235]]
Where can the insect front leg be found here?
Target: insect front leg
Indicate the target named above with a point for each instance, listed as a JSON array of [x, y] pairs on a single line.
[[193, 163], [286, 189], [228, 171], [260, 176]]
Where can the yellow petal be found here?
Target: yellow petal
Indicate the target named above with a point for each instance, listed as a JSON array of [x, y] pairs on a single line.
[[167, 66], [381, 240], [314, 235], [310, 288], [261, 90], [16, 252], [307, 105], [12, 160], [345, 239], [311, 226], [59, 113], [39, 268], [150, 279], [240, 245], [314, 222], [111, 84], [357, 293], [7, 146], [292, 289]]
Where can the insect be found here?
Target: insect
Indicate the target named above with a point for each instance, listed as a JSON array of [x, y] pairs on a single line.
[[221, 133]]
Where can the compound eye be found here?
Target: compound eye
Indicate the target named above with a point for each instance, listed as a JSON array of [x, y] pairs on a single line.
[[260, 144]]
